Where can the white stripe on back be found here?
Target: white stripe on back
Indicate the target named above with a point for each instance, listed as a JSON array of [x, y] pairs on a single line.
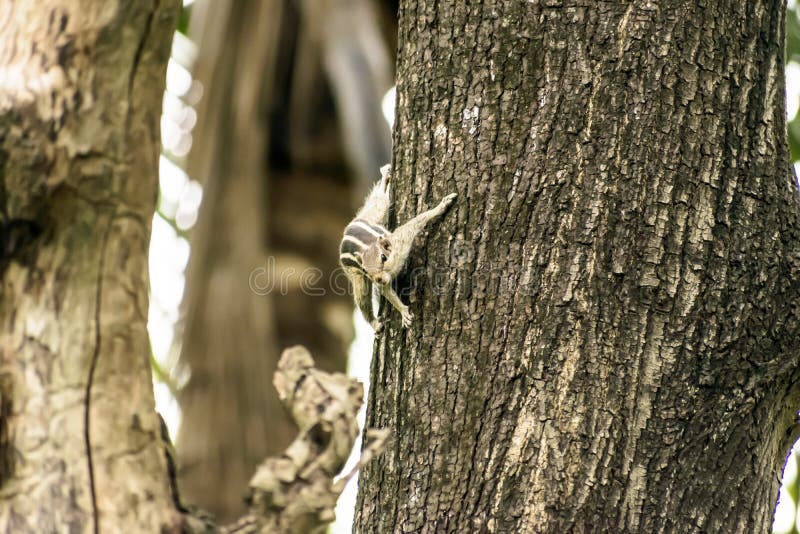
[[368, 228]]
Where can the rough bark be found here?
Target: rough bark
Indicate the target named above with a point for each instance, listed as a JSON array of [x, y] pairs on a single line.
[[80, 97], [606, 322]]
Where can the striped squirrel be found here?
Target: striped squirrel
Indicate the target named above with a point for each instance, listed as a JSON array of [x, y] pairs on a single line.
[[369, 253]]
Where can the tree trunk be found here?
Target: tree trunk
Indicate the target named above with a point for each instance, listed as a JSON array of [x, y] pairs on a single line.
[[269, 153], [80, 95], [608, 341], [231, 417]]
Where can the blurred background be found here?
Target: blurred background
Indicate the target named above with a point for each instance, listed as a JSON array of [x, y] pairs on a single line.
[[276, 118]]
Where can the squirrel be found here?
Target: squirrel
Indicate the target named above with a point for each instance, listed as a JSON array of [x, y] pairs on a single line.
[[371, 254]]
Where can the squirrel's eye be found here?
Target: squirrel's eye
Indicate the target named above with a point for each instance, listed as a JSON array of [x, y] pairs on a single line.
[[383, 258]]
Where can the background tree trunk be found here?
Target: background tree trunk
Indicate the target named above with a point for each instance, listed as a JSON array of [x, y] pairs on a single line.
[[279, 129], [608, 341], [231, 417], [80, 94]]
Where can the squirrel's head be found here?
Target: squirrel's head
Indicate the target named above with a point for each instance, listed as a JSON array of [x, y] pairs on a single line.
[[375, 259]]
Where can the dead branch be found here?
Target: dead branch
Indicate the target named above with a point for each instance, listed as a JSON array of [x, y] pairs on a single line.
[[296, 492]]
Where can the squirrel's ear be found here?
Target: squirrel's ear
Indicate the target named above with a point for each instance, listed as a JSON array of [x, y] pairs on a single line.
[[385, 243], [386, 172]]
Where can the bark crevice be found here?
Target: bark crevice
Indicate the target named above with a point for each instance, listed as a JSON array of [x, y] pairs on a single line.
[[90, 377]]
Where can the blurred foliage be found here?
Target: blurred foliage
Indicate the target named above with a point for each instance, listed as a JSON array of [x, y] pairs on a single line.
[[183, 21], [792, 486], [792, 35], [793, 56]]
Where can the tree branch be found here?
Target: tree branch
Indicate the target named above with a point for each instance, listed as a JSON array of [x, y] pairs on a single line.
[[296, 491]]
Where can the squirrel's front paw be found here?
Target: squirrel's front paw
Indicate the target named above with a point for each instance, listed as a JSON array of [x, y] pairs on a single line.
[[407, 318], [377, 326], [449, 199]]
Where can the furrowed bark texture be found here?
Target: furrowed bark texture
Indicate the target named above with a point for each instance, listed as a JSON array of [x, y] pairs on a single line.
[[81, 85], [605, 335]]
